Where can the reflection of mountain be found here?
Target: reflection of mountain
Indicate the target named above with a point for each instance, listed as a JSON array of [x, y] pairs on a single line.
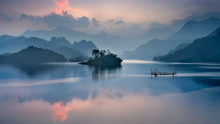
[[56, 93], [32, 71], [60, 91], [60, 45], [190, 31], [197, 84], [201, 50]]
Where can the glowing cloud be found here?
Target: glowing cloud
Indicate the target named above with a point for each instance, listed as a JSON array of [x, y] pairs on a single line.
[[62, 6]]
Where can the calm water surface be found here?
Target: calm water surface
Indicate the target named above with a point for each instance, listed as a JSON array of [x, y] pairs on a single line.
[[68, 93]]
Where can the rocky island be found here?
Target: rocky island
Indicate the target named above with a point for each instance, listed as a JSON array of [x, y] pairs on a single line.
[[103, 58]]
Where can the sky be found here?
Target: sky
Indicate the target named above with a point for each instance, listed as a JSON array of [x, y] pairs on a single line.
[[93, 16]]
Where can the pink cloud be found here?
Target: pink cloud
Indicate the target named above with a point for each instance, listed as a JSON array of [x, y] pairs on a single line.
[[62, 6]]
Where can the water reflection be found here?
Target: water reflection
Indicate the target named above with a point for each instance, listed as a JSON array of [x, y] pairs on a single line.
[[66, 93], [108, 108], [43, 71], [33, 70], [106, 72]]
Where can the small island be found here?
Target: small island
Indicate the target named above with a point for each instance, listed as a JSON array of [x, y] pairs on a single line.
[[103, 58]]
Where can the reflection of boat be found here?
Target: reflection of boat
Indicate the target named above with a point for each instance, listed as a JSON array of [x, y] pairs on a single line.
[[155, 73]]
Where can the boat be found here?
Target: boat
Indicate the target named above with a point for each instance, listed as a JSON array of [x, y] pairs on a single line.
[[155, 73]]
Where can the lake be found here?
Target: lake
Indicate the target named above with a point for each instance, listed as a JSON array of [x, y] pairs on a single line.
[[69, 93]]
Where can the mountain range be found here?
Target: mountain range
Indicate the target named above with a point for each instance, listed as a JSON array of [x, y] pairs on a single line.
[[10, 44], [204, 49], [153, 48], [102, 39], [196, 29], [189, 32]]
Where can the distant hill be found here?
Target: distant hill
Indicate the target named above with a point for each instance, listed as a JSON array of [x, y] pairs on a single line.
[[205, 49], [60, 41], [33, 55], [190, 31], [196, 29], [57, 44], [5, 38], [102, 40], [154, 48], [84, 47], [181, 46], [70, 34]]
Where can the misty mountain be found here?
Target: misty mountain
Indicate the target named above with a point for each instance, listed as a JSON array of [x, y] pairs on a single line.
[[84, 47], [153, 48], [60, 41], [181, 46], [196, 29], [5, 38], [59, 45], [33, 55], [189, 31], [69, 34], [161, 31], [205, 49], [102, 40]]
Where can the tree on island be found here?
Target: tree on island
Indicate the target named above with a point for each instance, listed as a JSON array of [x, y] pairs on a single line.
[[95, 53], [100, 53], [103, 58]]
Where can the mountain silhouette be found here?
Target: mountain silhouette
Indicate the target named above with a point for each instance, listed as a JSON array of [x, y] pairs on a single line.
[[57, 44], [159, 47], [4, 38], [84, 47], [181, 46], [102, 40], [205, 49], [33, 55], [196, 29], [154, 48]]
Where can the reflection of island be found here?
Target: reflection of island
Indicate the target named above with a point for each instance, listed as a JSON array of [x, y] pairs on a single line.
[[103, 58], [103, 72]]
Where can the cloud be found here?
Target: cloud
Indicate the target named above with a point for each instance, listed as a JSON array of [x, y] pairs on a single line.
[[54, 20], [62, 6], [119, 22], [5, 18], [35, 19], [95, 22]]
